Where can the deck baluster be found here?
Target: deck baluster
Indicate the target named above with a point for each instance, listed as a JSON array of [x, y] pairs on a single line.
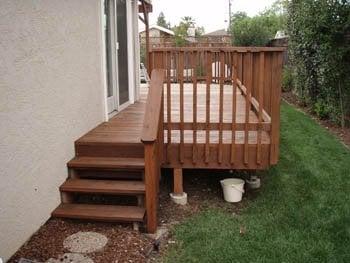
[[221, 103], [207, 115], [181, 80], [261, 103], [234, 106], [248, 80], [168, 104], [194, 56]]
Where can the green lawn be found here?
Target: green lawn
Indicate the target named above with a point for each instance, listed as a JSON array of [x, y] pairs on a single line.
[[301, 215]]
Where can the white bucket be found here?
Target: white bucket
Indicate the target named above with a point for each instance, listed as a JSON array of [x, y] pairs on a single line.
[[233, 189]]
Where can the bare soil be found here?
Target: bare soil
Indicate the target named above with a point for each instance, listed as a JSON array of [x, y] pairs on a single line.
[[124, 244], [342, 134]]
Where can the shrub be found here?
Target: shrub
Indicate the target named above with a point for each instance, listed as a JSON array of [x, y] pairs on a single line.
[[320, 54], [257, 30], [322, 109], [287, 79]]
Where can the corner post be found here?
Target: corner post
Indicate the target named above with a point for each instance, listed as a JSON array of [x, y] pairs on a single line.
[[275, 106], [151, 178]]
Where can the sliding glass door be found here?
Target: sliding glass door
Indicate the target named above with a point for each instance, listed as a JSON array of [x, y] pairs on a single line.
[[123, 69], [117, 65]]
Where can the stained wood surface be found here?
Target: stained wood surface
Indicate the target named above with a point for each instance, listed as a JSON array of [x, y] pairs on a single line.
[[112, 213], [106, 163], [103, 186], [178, 181], [153, 107], [125, 127], [218, 49]]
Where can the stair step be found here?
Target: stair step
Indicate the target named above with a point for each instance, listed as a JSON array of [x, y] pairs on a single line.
[[103, 186], [109, 213], [119, 150], [106, 163]]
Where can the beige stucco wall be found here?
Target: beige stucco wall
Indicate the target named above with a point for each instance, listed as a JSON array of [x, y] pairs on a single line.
[[51, 93]]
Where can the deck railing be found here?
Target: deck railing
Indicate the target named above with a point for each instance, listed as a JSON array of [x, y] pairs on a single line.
[[255, 72], [152, 138]]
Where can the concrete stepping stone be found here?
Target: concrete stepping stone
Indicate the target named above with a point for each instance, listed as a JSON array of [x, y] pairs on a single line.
[[85, 242]]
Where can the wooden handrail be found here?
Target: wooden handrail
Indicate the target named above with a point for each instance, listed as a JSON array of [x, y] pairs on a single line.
[[153, 107]]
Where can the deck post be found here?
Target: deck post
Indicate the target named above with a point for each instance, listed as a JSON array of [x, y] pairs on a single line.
[[151, 175], [178, 196]]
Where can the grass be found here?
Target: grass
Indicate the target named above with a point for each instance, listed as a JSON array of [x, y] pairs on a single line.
[[301, 215]]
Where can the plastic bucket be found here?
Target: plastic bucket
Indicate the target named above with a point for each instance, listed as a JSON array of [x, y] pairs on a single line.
[[233, 189]]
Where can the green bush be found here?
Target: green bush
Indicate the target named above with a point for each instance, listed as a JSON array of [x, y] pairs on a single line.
[[322, 109], [257, 30], [320, 55], [287, 79]]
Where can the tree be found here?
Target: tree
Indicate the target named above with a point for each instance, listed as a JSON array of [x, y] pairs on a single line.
[[200, 31], [181, 30], [161, 21], [257, 30]]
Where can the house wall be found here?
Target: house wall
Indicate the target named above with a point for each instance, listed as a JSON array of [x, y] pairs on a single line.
[[51, 85]]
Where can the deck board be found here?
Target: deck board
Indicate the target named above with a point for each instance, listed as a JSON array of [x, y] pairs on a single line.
[[126, 126]]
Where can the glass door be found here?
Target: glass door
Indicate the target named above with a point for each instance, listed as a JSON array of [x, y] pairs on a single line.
[[117, 54], [109, 23], [123, 52]]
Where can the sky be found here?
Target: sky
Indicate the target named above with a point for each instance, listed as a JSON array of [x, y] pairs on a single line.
[[208, 13]]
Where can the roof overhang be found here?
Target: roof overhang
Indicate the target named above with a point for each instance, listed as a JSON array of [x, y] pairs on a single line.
[[147, 4]]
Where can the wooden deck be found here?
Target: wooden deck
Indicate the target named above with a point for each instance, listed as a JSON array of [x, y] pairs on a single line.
[[126, 126], [124, 130], [205, 108]]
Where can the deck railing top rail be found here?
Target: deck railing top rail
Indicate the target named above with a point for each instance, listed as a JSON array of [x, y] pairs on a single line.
[[153, 107], [218, 49]]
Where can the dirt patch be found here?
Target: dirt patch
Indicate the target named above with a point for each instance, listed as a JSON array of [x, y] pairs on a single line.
[[204, 191], [342, 134], [125, 245]]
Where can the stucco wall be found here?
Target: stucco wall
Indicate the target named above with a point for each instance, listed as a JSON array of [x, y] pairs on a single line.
[[51, 93]]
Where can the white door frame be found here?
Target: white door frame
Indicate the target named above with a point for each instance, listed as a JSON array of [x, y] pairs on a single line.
[[131, 66], [112, 101], [131, 54]]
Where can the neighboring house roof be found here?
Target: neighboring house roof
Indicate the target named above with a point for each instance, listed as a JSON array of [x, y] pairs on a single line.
[[220, 32], [160, 28]]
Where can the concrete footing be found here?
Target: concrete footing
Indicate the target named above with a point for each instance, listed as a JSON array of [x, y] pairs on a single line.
[[254, 182], [180, 199]]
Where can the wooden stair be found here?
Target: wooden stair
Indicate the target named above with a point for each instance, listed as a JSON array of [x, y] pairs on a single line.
[[107, 163], [108, 187], [101, 169], [109, 213]]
